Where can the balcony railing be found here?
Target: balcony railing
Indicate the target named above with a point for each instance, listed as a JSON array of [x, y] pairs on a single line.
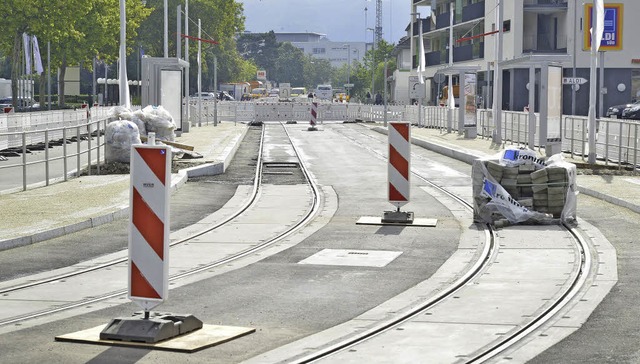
[[473, 11], [530, 4]]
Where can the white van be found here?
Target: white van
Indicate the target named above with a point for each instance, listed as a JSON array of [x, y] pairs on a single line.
[[324, 92]]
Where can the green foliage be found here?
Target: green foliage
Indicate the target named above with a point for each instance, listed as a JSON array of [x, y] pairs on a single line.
[[289, 65], [317, 72]]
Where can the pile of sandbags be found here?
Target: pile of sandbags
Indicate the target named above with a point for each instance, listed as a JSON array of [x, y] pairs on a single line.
[[518, 187], [126, 127]]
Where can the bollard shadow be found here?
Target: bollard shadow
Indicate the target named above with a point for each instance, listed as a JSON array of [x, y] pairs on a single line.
[[390, 230], [117, 354]]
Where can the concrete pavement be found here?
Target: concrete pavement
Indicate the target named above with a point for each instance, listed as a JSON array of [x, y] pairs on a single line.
[[44, 213], [48, 212]]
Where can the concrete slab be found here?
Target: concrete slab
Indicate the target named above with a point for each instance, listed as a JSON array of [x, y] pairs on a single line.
[[419, 343], [208, 336], [357, 258], [377, 220]]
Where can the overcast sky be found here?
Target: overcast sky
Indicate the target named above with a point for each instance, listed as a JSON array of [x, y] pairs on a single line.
[[340, 20]]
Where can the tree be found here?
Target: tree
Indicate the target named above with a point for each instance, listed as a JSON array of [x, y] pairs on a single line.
[[221, 20], [316, 71], [76, 29], [289, 66], [49, 20]]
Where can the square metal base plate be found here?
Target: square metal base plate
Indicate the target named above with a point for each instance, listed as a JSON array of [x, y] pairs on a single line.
[[377, 220]]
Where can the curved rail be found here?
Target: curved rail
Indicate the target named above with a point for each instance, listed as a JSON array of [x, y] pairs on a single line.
[[489, 250], [256, 188]]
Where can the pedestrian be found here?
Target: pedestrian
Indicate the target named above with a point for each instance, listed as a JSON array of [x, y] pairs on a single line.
[[378, 99]]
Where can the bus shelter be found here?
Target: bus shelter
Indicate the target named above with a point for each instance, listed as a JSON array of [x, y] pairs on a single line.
[[162, 80], [467, 112], [550, 97]]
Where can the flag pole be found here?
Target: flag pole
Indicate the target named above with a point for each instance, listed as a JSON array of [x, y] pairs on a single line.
[[597, 27]]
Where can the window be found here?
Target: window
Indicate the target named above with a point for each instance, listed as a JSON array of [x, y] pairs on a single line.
[[319, 50]]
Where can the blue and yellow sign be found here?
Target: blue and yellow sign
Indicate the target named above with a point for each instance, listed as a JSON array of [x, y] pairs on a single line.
[[612, 35]]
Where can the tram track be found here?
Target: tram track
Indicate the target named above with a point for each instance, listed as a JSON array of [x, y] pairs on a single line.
[[249, 203], [582, 268]]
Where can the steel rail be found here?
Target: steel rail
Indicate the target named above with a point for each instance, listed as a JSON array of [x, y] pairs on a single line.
[[314, 208]]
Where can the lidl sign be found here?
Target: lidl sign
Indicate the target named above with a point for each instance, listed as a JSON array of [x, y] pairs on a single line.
[[612, 35]]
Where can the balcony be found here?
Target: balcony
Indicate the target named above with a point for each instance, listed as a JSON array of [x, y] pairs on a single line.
[[433, 58], [473, 11], [545, 6], [442, 20], [426, 26]]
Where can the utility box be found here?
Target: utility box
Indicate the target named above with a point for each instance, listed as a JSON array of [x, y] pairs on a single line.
[[162, 84]]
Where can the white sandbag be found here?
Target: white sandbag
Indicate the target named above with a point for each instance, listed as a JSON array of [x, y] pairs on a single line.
[[120, 135]]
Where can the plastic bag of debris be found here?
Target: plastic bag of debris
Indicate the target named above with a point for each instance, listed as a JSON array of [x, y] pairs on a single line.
[[519, 187], [158, 120], [120, 135], [124, 113]]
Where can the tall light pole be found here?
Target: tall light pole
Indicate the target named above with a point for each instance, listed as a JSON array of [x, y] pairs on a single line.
[[373, 60], [124, 87], [348, 68]]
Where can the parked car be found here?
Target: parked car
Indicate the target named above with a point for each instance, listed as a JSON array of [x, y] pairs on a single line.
[[203, 96], [616, 110], [258, 92], [632, 112]]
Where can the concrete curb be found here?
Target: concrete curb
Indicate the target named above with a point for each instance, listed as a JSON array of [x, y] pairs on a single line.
[[614, 200], [177, 181]]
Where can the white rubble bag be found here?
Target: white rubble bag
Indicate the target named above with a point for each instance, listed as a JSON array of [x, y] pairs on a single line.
[[158, 120], [123, 113], [120, 135]]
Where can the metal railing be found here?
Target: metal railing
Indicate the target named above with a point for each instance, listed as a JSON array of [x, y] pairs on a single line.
[[52, 133], [617, 140]]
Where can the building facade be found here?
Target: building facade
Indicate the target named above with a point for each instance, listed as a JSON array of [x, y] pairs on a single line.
[[319, 46], [540, 27]]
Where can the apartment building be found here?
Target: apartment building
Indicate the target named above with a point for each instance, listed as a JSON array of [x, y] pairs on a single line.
[[539, 27]]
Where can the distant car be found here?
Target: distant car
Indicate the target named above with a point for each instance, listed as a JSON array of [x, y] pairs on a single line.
[[203, 96], [298, 91], [245, 97], [632, 112], [616, 110], [274, 92], [258, 92], [224, 96]]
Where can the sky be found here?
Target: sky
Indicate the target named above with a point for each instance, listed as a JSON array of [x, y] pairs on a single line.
[[340, 20]]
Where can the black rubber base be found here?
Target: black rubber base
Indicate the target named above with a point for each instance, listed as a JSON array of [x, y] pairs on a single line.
[[149, 330]]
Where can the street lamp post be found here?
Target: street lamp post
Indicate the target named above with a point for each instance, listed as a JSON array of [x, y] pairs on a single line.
[[348, 69], [373, 60]]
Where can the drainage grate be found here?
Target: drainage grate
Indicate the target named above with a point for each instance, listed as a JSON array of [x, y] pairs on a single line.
[[281, 165]]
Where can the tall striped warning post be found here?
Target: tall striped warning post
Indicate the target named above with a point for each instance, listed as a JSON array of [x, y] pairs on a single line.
[[398, 180], [314, 115], [149, 251], [398, 172]]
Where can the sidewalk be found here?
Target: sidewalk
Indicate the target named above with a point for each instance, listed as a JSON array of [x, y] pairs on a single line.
[[62, 208], [48, 212], [620, 190]]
